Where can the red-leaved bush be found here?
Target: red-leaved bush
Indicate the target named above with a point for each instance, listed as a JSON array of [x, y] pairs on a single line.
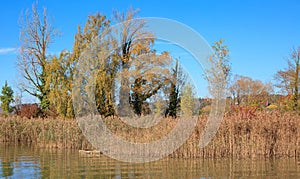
[[28, 110]]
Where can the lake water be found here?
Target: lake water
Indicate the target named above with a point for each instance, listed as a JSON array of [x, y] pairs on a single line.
[[25, 162]]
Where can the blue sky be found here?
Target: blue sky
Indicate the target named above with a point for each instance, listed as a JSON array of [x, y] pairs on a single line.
[[259, 33]]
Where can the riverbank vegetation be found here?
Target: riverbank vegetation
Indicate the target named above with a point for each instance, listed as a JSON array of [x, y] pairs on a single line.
[[45, 133], [266, 134], [124, 74]]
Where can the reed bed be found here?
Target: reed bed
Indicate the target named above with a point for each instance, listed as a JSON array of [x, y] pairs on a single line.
[[263, 135], [45, 133], [267, 134]]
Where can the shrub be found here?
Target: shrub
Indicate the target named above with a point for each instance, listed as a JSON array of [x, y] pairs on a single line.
[[28, 110]]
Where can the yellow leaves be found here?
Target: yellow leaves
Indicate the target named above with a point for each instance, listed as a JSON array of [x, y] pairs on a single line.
[[187, 101], [272, 106], [59, 83]]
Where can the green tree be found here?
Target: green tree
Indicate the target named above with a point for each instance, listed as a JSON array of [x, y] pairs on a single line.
[[174, 94], [178, 80], [7, 98]]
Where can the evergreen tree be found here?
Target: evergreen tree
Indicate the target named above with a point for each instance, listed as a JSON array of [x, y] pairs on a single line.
[[178, 80], [6, 98]]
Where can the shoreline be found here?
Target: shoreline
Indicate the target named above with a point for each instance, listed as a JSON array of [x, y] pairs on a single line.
[[268, 134]]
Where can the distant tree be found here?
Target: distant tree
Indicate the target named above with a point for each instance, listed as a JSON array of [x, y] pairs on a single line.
[[187, 103], [221, 53], [219, 73], [288, 79], [247, 91], [36, 34], [28, 110], [6, 98], [159, 107]]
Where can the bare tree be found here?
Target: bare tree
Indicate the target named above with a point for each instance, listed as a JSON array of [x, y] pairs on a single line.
[[36, 33]]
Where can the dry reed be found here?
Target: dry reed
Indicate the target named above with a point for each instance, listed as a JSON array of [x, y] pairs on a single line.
[[266, 134], [48, 133]]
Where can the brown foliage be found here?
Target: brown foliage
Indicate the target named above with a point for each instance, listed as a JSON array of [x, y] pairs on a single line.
[[28, 110]]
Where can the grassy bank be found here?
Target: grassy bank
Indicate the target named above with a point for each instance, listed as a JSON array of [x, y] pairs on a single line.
[[267, 134]]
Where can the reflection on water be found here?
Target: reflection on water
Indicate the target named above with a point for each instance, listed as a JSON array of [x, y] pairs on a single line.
[[25, 162]]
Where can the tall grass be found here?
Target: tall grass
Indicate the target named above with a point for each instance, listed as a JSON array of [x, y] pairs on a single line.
[[48, 133], [265, 134]]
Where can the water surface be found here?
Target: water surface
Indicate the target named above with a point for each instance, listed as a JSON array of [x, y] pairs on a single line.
[[28, 162]]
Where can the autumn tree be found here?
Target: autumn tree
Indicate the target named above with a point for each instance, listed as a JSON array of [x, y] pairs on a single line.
[[149, 74], [219, 73], [113, 49], [221, 53], [36, 34], [104, 58], [59, 84], [93, 45], [187, 103], [159, 106], [6, 98], [246, 91], [133, 41], [288, 79], [98, 46], [96, 42]]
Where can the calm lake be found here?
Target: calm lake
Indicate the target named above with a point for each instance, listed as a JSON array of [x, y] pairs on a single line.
[[25, 162]]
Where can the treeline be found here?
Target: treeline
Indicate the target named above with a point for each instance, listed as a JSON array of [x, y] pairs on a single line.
[[282, 94], [129, 75]]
